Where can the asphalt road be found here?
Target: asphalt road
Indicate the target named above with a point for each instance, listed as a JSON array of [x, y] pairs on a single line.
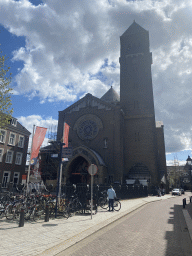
[[156, 229]]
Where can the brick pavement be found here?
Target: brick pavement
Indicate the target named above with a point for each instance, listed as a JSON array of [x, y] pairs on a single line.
[[158, 229], [40, 238]]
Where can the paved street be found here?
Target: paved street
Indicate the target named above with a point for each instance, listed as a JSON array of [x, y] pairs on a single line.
[[59, 235], [158, 228]]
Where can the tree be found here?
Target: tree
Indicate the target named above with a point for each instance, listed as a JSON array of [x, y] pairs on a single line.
[[5, 92]]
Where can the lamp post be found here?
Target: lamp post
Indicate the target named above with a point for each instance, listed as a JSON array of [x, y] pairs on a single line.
[[189, 162]]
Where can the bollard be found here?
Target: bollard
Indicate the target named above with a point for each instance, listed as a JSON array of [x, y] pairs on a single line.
[[21, 220], [47, 213], [184, 202]]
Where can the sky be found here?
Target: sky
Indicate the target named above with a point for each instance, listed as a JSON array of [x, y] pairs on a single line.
[[61, 50]]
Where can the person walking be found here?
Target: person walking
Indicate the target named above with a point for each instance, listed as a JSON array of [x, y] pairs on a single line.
[[111, 196]]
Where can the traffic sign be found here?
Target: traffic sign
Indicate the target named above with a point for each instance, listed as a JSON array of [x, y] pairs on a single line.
[[54, 155], [67, 152], [92, 170]]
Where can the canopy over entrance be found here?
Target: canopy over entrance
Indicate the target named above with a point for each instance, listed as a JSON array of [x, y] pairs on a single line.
[[139, 171], [76, 170]]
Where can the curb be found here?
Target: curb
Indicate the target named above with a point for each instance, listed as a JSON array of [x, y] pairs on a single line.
[[55, 250], [188, 221]]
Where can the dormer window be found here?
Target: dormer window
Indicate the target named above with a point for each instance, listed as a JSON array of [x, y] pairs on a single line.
[[14, 122]]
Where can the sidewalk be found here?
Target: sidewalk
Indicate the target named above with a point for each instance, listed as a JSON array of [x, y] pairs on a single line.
[[50, 238], [187, 212]]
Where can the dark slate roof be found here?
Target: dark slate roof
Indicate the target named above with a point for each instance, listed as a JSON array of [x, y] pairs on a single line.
[[19, 128], [49, 149], [111, 96], [22, 129], [134, 29]]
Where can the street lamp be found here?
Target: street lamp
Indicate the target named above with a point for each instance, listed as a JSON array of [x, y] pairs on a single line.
[[189, 162]]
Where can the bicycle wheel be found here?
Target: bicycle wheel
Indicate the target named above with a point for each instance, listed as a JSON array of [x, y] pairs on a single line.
[[103, 202], [66, 213], [78, 206], [18, 211], [71, 209], [117, 205], [27, 214], [9, 212], [38, 213], [2, 212], [51, 209], [95, 209]]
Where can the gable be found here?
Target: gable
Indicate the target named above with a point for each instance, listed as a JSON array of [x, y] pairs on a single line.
[[88, 101]]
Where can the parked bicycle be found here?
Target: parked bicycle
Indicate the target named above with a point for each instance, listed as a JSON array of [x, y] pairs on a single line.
[[104, 203], [74, 205]]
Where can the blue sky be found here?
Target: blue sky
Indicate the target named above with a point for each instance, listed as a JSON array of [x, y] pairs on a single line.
[[60, 50]]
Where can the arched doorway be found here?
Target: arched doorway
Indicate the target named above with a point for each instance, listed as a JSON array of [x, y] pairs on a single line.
[[78, 171]]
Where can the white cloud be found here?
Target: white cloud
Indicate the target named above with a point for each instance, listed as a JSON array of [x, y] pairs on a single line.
[[179, 163], [68, 42]]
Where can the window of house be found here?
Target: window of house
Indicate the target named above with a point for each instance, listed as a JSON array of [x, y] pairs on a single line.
[[18, 159], [1, 154], [12, 137], [2, 136], [15, 178], [9, 157], [5, 180], [21, 141]]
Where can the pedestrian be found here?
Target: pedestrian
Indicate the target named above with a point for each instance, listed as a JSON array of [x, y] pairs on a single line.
[[111, 196]]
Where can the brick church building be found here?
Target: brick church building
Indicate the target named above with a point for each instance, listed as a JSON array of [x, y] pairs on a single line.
[[119, 134]]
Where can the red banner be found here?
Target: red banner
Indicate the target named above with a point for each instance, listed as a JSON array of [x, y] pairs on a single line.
[[37, 141], [65, 135]]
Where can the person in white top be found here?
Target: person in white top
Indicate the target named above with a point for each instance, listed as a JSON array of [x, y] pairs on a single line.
[[111, 196]]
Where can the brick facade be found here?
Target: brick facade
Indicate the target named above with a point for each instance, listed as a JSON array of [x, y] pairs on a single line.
[[120, 133], [15, 143]]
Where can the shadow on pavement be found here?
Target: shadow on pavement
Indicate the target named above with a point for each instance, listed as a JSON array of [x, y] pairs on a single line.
[[178, 240]]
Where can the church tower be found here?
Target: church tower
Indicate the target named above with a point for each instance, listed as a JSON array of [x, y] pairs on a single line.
[[137, 106]]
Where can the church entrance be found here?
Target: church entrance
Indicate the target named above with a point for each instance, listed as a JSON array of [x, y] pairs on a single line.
[[78, 171]]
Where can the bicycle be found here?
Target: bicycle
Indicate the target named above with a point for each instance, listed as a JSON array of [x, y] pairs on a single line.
[[104, 203], [74, 205], [13, 209]]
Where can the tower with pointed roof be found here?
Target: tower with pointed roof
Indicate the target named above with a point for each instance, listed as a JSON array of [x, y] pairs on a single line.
[[136, 100]]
